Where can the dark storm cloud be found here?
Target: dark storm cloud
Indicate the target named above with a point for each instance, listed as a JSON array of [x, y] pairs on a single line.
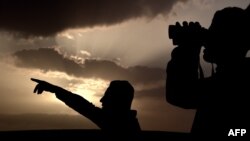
[[49, 59], [47, 17]]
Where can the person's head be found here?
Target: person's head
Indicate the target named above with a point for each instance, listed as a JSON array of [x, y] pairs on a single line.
[[118, 96], [228, 38]]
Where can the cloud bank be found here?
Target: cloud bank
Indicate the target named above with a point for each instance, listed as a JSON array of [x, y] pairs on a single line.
[[47, 59], [46, 17]]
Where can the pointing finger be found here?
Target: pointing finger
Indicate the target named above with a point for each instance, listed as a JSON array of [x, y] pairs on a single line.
[[37, 80], [36, 88]]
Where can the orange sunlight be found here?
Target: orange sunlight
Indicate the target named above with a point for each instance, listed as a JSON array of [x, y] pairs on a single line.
[[90, 88]]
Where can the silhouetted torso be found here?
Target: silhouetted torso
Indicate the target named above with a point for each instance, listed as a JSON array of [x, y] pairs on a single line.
[[224, 105], [221, 100]]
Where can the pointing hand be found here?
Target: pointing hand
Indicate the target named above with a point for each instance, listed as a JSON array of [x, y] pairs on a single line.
[[43, 86]]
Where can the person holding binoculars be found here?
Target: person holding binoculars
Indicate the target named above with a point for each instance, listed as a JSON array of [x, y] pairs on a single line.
[[220, 100]]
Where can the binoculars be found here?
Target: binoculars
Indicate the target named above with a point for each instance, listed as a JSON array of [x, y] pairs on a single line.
[[181, 35]]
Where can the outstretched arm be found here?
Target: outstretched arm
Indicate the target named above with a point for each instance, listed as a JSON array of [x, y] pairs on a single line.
[[183, 84], [74, 101], [182, 79]]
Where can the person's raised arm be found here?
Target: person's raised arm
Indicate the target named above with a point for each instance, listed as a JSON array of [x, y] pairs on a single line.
[[182, 83], [74, 101]]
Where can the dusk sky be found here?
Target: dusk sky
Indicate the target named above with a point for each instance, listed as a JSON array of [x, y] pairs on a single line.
[[82, 46]]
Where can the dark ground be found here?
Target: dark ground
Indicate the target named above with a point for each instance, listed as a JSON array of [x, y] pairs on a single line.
[[84, 135]]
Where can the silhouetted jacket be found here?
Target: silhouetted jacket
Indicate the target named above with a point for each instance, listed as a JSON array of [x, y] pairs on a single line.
[[118, 122], [221, 100]]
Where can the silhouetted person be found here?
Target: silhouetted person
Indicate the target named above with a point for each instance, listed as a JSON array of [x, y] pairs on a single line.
[[221, 100], [115, 117]]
